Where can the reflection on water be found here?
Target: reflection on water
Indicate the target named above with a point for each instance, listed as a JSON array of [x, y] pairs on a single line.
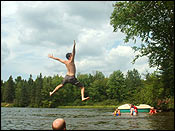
[[82, 119]]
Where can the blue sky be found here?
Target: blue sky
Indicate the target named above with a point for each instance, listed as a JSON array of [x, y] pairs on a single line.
[[33, 29]]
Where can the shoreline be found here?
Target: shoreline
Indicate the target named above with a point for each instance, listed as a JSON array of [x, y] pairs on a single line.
[[101, 106], [84, 106], [78, 107]]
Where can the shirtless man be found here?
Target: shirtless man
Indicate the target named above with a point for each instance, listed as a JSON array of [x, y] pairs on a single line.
[[70, 76]]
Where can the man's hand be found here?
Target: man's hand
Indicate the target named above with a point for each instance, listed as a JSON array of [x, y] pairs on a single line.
[[74, 42], [73, 52], [50, 56], [55, 58]]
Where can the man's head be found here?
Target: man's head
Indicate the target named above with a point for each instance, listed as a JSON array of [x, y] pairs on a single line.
[[68, 55], [59, 124]]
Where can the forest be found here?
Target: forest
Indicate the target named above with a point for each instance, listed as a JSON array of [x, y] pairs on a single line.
[[115, 90], [153, 23]]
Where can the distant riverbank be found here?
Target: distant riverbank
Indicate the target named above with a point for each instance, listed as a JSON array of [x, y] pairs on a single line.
[[78, 107], [109, 106], [85, 106]]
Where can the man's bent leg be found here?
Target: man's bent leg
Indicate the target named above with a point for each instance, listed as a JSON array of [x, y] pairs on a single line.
[[82, 94], [59, 86]]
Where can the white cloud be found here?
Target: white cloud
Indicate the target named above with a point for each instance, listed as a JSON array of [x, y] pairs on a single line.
[[4, 53], [119, 58], [32, 29]]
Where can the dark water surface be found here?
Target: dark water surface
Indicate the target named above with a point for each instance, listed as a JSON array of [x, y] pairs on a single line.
[[82, 119]]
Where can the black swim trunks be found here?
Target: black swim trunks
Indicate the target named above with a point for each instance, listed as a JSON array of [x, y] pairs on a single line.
[[72, 80]]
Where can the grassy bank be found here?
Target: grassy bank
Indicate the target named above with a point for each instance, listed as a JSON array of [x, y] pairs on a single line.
[[107, 106], [83, 106], [7, 105], [167, 107]]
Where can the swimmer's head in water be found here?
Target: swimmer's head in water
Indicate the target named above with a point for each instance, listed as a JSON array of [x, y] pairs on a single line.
[[59, 124]]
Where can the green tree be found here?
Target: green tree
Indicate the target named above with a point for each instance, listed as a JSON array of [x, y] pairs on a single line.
[[18, 87], [97, 86], [58, 97], [24, 99], [84, 79], [116, 85], [32, 90], [9, 90], [2, 90], [97, 90], [98, 75], [39, 86], [46, 99], [133, 85], [21, 92], [152, 90], [153, 22]]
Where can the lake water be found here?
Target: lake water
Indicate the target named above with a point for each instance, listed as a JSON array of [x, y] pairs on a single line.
[[82, 119]]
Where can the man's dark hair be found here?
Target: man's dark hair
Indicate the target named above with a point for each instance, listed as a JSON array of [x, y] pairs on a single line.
[[68, 55]]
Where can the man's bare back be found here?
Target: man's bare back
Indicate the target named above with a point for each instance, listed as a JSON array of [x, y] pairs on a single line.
[[71, 69]]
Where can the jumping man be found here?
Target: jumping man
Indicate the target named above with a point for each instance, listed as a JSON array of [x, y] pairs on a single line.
[[70, 76]]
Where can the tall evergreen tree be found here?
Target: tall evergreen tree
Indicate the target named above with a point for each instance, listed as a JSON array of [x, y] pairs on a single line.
[[18, 87], [2, 90], [9, 90], [32, 91], [24, 99], [47, 85], [133, 85], [39, 86]]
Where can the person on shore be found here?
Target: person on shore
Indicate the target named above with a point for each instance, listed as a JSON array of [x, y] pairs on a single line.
[[59, 124], [117, 112], [133, 110], [70, 76], [152, 111]]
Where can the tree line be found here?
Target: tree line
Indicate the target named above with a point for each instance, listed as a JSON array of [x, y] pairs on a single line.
[[116, 89]]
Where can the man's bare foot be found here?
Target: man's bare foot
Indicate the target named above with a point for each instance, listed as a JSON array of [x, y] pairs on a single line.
[[85, 98], [50, 93]]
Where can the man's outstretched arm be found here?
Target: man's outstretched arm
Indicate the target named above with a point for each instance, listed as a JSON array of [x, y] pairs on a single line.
[[73, 52], [55, 58]]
